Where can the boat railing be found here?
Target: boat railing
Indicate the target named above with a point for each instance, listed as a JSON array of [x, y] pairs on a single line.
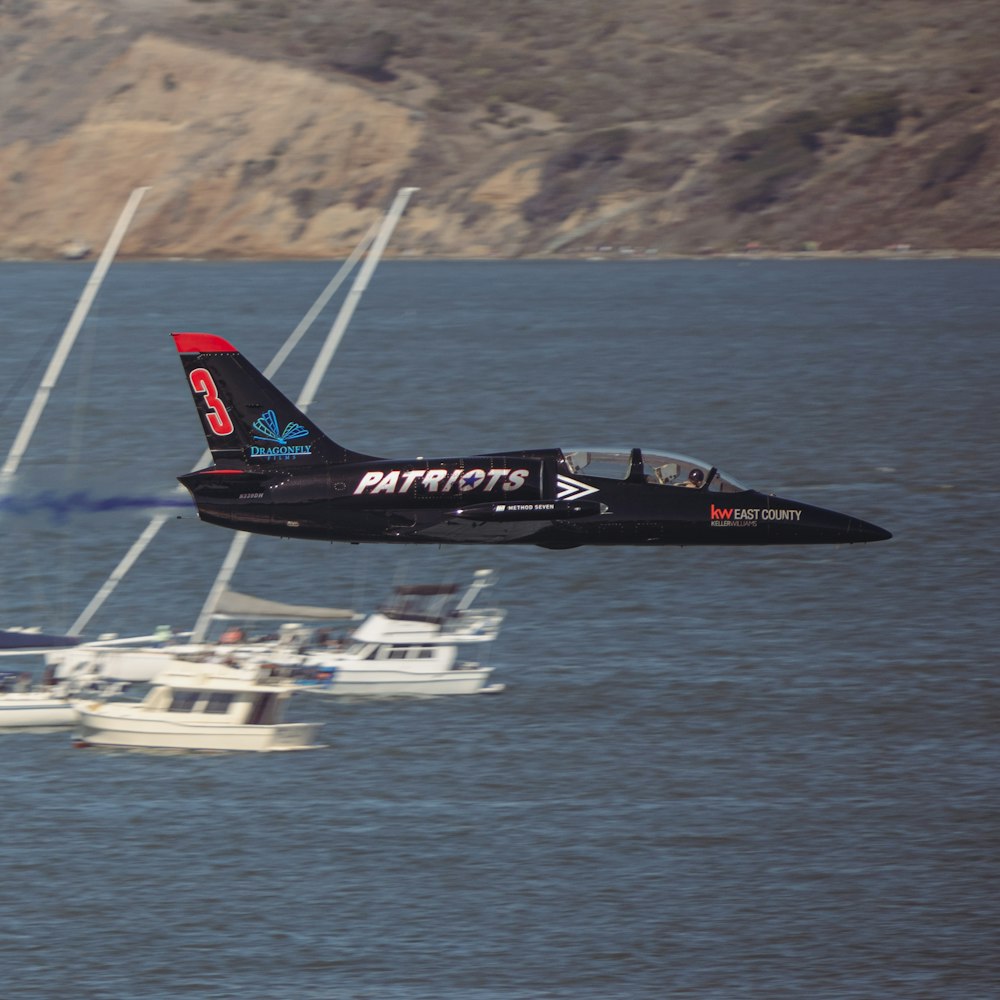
[[397, 615], [475, 622]]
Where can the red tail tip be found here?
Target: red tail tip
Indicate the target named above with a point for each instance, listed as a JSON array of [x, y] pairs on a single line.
[[202, 343]]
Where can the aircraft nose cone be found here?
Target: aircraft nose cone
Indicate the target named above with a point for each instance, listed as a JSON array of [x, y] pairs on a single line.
[[864, 531], [797, 522], [831, 526]]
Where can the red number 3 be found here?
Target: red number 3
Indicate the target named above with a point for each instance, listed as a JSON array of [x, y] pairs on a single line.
[[217, 416]]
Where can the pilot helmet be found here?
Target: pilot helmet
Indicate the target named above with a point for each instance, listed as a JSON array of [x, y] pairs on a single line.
[[696, 475]]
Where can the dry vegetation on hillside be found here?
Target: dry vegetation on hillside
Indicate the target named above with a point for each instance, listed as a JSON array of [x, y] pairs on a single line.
[[675, 124]]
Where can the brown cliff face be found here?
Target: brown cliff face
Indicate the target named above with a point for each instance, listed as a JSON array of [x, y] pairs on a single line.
[[242, 159], [282, 128]]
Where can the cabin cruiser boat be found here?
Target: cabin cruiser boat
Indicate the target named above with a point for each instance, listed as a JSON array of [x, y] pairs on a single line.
[[201, 706], [410, 646]]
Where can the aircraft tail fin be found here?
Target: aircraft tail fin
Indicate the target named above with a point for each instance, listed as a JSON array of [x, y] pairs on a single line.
[[248, 422]]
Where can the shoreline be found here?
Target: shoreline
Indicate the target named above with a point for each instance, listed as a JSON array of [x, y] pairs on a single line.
[[606, 256]]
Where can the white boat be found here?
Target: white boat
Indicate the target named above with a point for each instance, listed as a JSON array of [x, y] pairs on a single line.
[[48, 707], [200, 706], [22, 707], [35, 710], [135, 659], [410, 647], [139, 659]]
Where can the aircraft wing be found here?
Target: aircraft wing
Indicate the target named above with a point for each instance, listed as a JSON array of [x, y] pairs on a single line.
[[435, 528]]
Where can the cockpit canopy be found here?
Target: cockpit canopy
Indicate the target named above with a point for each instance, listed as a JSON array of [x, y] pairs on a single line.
[[653, 466]]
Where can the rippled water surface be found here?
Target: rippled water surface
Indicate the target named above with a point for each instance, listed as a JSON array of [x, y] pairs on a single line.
[[713, 773]]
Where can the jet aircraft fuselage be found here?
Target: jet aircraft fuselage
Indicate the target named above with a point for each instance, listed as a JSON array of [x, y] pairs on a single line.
[[276, 473]]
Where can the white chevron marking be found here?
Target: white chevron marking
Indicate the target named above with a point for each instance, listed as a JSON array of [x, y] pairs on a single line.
[[572, 489]]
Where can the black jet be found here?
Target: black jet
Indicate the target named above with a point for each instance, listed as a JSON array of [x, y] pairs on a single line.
[[276, 473]]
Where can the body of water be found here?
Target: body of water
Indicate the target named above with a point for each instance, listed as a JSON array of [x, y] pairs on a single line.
[[714, 773]]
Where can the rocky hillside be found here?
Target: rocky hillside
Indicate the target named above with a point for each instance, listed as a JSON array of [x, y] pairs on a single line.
[[281, 128]]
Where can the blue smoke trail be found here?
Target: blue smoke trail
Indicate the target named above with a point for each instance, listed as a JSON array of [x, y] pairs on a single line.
[[61, 507]]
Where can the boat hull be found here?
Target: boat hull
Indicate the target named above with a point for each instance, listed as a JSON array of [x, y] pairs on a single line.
[[29, 711], [387, 682], [97, 726]]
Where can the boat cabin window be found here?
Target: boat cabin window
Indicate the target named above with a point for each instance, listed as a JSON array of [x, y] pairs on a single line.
[[218, 702], [183, 701], [654, 467], [423, 603]]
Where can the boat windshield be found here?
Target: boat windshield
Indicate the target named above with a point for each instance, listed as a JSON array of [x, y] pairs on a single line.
[[655, 467]]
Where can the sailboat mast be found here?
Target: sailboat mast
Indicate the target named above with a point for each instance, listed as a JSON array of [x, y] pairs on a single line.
[[69, 336], [333, 338]]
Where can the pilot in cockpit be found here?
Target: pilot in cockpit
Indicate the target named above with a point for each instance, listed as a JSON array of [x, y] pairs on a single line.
[[695, 479]]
